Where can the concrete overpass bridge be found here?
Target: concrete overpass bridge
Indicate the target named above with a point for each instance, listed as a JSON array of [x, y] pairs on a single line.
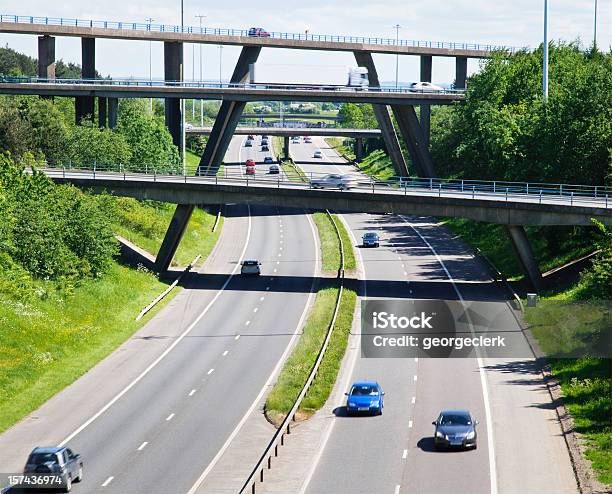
[[508, 203]]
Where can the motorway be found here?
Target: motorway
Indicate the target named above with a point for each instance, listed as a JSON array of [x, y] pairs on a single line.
[[520, 444], [154, 414]]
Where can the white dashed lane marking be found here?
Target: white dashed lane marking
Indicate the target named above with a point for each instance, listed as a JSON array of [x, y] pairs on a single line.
[[224, 353], [210, 372], [169, 417], [405, 454], [107, 481], [142, 446], [192, 392]]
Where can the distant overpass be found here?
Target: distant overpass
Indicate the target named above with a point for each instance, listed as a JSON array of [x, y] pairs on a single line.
[[51, 26], [539, 204], [132, 88], [294, 131]]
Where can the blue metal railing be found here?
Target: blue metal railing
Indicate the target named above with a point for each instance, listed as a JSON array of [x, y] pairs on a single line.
[[7, 79], [332, 38]]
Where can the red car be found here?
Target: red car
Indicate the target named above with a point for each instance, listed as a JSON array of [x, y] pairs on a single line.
[[259, 32], [249, 162]]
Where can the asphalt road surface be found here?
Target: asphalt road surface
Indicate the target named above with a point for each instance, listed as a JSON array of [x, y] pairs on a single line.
[[520, 448], [160, 435]]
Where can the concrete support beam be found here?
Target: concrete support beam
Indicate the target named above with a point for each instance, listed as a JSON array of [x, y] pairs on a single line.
[[426, 74], [415, 140], [228, 117], [359, 149], [46, 57], [85, 105], [173, 237], [523, 250], [102, 106], [460, 72], [286, 147], [113, 106], [364, 59], [173, 71]]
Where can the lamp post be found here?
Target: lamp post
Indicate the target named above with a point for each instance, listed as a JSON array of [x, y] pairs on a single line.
[[397, 28], [183, 143], [220, 62], [150, 20], [545, 57], [200, 17], [595, 27]]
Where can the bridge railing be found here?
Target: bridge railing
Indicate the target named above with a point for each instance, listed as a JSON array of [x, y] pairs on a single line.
[[447, 187], [157, 83], [332, 38]]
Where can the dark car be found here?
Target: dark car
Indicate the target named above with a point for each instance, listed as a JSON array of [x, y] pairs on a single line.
[[250, 137], [365, 396], [248, 144], [54, 461], [250, 267], [265, 147], [274, 169], [259, 32], [455, 429], [268, 160], [370, 239]]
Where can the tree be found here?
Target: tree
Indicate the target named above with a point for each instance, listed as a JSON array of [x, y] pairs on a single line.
[[90, 144]]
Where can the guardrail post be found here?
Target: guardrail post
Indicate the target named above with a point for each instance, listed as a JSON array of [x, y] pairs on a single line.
[[572, 198], [527, 188], [64, 175], [596, 192], [461, 185], [606, 201], [473, 191], [430, 183], [439, 189], [540, 196], [269, 462], [561, 189], [494, 187]]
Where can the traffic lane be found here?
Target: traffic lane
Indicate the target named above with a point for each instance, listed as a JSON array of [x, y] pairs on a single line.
[[68, 410], [330, 162], [221, 400], [256, 153], [523, 419]]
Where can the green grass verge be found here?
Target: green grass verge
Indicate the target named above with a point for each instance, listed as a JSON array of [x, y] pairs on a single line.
[[300, 362], [48, 343], [586, 383], [493, 240], [145, 222], [192, 161]]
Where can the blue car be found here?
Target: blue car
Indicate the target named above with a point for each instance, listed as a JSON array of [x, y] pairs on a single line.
[[365, 397], [370, 239]]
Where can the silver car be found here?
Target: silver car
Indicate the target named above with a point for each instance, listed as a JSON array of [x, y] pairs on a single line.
[[333, 181]]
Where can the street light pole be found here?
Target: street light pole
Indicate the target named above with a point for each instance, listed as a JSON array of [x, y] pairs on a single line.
[[595, 27], [150, 20], [200, 17], [183, 100], [545, 57], [397, 28], [220, 62]]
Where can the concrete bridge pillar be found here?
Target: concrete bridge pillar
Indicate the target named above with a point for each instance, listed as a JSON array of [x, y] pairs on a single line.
[[460, 72], [364, 59], [359, 149], [218, 141], [415, 139], [426, 73], [286, 147], [85, 105], [46, 57], [173, 71], [102, 107], [524, 252], [113, 106]]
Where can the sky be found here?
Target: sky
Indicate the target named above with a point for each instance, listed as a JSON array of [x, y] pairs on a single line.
[[502, 22]]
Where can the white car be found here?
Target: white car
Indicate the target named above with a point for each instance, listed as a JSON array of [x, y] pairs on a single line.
[[317, 154], [250, 267], [334, 181], [424, 87]]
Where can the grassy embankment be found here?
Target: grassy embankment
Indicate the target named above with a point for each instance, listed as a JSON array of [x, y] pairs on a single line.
[[376, 164], [300, 362], [193, 160], [54, 338]]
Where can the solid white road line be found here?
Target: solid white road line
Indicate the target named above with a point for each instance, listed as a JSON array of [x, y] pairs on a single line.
[[349, 371], [169, 417], [483, 380], [169, 349], [272, 376], [107, 481], [142, 446]]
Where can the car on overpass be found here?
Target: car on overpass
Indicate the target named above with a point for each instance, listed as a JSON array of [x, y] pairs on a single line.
[[424, 87], [333, 181], [370, 239], [259, 32], [307, 139], [455, 429], [250, 267], [365, 397], [57, 462]]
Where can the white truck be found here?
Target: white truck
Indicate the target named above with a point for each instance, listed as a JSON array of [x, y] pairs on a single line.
[[309, 76]]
